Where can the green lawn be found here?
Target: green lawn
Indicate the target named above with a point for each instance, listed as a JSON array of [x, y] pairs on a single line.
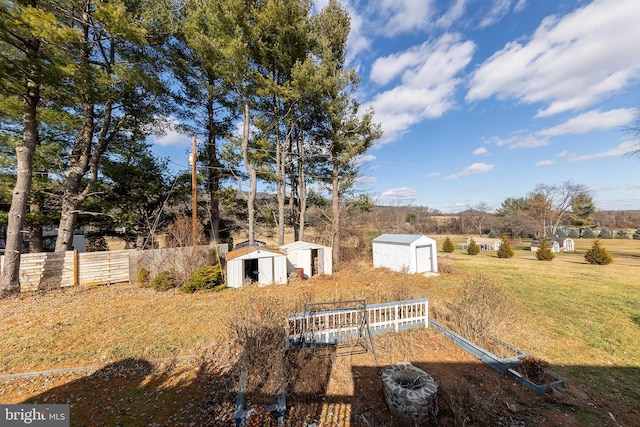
[[584, 319]]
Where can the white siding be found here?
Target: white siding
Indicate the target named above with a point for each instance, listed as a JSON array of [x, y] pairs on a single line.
[[235, 275]]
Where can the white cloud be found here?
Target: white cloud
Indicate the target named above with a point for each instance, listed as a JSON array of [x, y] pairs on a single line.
[[480, 151], [397, 196], [545, 163], [570, 62], [453, 14], [521, 140], [428, 79], [402, 16], [434, 175], [499, 9], [173, 139], [563, 153], [474, 169], [621, 150], [592, 120]]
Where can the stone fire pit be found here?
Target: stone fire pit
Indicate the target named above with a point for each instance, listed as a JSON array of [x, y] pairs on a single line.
[[410, 392]]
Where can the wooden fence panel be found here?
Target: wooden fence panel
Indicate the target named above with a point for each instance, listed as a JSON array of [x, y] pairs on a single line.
[[46, 270], [103, 268]]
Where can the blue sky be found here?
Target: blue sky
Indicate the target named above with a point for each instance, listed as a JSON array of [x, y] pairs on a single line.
[[481, 100]]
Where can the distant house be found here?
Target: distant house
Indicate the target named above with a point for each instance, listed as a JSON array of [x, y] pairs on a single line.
[[256, 264], [413, 253], [312, 258]]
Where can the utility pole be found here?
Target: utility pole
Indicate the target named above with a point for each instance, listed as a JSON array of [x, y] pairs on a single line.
[[194, 183]]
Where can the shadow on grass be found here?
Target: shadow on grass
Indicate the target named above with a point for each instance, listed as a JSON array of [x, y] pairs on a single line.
[[135, 392]]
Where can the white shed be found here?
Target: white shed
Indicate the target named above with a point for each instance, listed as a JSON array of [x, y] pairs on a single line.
[[413, 253], [256, 264], [311, 257]]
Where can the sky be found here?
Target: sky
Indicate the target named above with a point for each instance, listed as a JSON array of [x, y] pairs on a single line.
[[481, 100]]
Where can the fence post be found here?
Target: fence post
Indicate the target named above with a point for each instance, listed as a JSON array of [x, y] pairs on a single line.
[[395, 318], [76, 275]]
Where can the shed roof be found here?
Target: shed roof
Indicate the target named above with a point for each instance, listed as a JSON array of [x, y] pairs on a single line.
[[301, 245], [405, 239], [249, 249]]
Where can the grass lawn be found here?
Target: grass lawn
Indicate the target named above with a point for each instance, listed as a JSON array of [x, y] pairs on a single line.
[[583, 319]]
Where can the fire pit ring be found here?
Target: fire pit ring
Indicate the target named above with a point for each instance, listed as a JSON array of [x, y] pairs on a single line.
[[410, 392]]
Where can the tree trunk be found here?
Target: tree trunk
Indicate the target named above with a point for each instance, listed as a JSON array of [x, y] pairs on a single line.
[[251, 171], [335, 209], [213, 174], [302, 186], [10, 280]]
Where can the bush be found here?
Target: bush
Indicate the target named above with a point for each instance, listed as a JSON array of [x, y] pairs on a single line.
[[448, 246], [636, 234], [622, 234], [143, 278], [605, 233], [588, 233], [573, 234], [561, 234], [165, 280], [598, 254], [544, 251], [505, 250], [207, 277], [473, 248]]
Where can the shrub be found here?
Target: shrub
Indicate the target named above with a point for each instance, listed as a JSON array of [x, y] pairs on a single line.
[[505, 250], [598, 254], [483, 310], [143, 278], [588, 233], [636, 234], [561, 234], [446, 268], [165, 280], [605, 233], [622, 234], [544, 251], [573, 234], [207, 277], [533, 368], [448, 246], [473, 248]]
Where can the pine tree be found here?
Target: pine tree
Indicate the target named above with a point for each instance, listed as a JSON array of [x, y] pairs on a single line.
[[505, 250], [448, 246], [544, 251], [473, 248], [598, 254]]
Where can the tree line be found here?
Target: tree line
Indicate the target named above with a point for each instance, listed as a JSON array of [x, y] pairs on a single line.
[[262, 84]]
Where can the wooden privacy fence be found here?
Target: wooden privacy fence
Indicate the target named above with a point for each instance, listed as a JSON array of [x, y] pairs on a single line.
[[50, 270], [330, 326]]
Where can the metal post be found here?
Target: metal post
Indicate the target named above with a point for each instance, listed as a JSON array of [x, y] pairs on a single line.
[[194, 183]]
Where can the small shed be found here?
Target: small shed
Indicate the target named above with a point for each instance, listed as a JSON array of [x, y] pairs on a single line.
[[256, 264], [413, 253], [313, 258]]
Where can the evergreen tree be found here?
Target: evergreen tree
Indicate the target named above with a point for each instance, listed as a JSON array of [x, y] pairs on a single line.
[[598, 254], [588, 233], [636, 234], [505, 250], [473, 248], [605, 233], [448, 246], [544, 251]]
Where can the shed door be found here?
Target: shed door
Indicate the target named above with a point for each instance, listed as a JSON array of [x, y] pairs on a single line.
[[265, 267], [423, 259], [320, 261]]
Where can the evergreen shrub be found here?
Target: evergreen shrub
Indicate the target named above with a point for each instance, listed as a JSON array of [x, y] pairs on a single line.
[[598, 254], [505, 250], [165, 280], [207, 277], [448, 246], [143, 278], [473, 248], [544, 251]]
